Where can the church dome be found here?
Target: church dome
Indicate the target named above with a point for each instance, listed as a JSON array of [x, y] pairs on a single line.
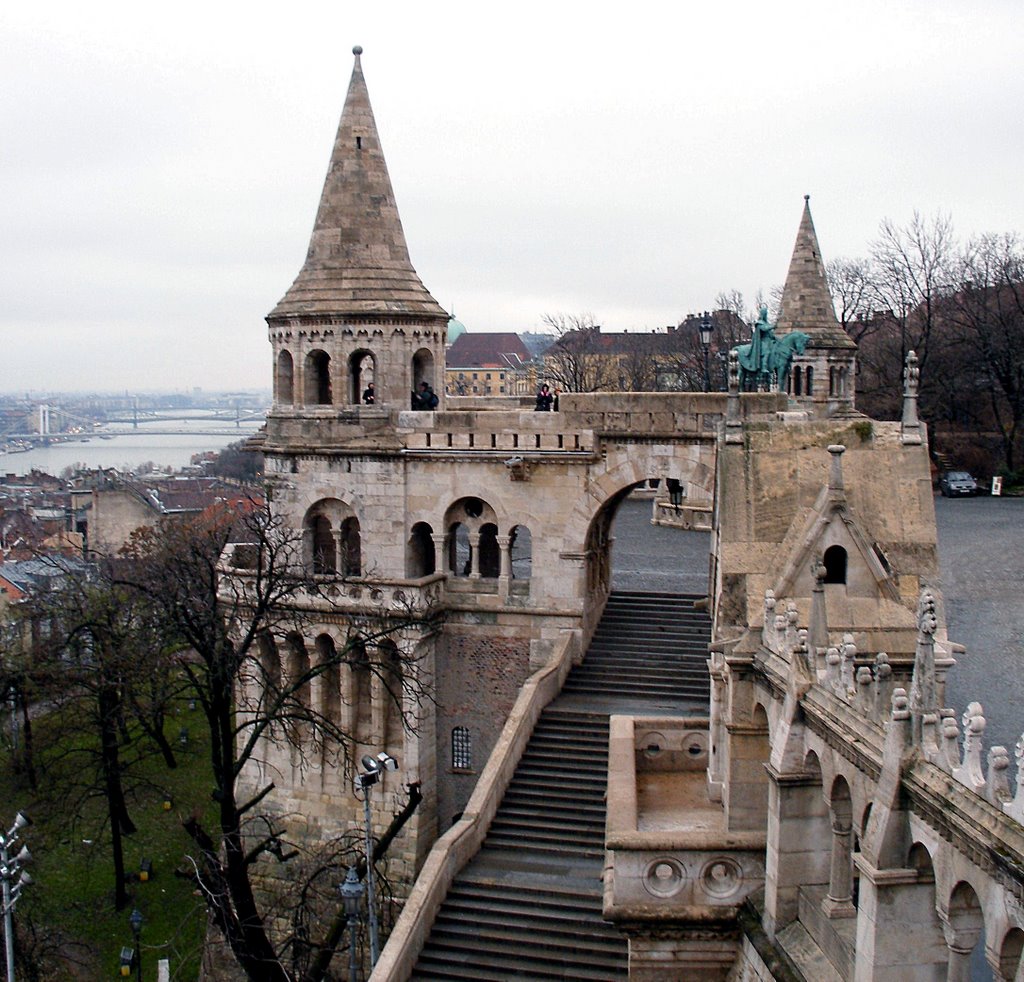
[[455, 330]]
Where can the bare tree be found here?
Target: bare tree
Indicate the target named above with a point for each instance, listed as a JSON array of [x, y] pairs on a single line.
[[576, 361], [851, 283], [225, 586], [987, 324]]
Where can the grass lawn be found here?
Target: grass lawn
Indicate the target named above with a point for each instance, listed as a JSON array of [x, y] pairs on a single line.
[[68, 927]]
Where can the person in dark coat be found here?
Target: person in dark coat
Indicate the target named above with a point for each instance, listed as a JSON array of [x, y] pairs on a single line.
[[544, 400], [369, 396]]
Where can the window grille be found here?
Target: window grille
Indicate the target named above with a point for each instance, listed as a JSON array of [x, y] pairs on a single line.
[[462, 750]]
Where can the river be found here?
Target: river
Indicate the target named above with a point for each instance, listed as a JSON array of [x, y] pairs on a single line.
[[127, 451]]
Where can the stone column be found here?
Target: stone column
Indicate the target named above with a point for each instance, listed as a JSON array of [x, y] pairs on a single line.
[[298, 378], [474, 555], [505, 569], [338, 565], [439, 556], [839, 902]]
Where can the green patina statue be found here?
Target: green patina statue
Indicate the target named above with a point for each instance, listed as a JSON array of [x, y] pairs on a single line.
[[765, 359]]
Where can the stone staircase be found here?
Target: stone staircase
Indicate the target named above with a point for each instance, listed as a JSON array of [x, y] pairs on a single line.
[[528, 906]]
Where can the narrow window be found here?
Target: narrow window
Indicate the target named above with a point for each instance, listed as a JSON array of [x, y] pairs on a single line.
[[462, 749], [835, 564], [359, 143], [809, 384]]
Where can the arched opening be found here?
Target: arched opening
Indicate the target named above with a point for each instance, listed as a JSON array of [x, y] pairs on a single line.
[[471, 546], [392, 677], [318, 378], [1010, 952], [521, 552], [965, 936], [324, 558], [362, 373], [834, 561], [423, 369], [839, 901], [361, 711], [419, 552], [329, 679], [462, 749], [459, 552], [285, 378], [490, 555], [270, 663], [798, 380], [351, 548], [298, 682], [809, 380]]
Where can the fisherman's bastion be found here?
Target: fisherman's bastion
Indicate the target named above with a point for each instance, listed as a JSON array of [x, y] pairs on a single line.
[[763, 782]]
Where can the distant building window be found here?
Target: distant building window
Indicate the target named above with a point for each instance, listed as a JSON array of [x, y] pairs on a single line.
[[488, 376], [462, 749], [475, 376]]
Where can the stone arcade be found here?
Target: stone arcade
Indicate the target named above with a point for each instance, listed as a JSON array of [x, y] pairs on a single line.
[[830, 823]]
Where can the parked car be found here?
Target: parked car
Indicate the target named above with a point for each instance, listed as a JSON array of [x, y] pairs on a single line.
[[954, 483]]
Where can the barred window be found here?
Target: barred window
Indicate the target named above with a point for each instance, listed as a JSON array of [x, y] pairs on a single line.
[[462, 750]]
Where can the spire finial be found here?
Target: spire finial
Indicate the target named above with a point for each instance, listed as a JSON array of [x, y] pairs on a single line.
[[357, 50], [807, 197]]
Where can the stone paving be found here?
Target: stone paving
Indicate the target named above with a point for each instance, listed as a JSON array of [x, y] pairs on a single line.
[[981, 550]]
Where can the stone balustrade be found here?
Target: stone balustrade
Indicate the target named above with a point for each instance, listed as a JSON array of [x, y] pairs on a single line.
[[462, 841]]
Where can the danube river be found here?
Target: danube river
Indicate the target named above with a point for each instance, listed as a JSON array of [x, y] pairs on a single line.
[[128, 451]]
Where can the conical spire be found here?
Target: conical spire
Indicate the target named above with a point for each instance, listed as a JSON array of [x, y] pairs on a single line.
[[806, 302], [358, 262]]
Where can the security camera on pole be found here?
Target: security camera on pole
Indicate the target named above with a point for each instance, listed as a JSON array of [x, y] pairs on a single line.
[[372, 772]]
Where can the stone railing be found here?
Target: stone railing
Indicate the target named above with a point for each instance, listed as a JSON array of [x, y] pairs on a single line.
[[462, 841], [689, 517], [669, 852]]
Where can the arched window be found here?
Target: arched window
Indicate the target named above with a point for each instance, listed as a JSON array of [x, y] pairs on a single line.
[[490, 554], [835, 564], [462, 749], [459, 553], [521, 548], [423, 370], [419, 555], [298, 669], [809, 375], [324, 558], [285, 378], [329, 679], [362, 370], [318, 378], [798, 378], [270, 662], [351, 548]]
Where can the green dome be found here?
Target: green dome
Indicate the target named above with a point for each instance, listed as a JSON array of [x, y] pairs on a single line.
[[455, 330]]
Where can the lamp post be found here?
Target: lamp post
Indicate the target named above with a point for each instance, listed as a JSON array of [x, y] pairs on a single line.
[[135, 919], [14, 879], [372, 772], [351, 898], [707, 329]]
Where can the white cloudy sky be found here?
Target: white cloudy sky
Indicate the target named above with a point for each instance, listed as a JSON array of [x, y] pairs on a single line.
[[161, 163]]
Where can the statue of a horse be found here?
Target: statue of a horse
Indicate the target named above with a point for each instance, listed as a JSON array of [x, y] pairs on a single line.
[[776, 357]]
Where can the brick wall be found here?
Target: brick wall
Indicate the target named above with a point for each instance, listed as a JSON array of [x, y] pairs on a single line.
[[478, 678]]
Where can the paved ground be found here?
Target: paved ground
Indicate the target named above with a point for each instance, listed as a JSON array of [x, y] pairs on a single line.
[[981, 550]]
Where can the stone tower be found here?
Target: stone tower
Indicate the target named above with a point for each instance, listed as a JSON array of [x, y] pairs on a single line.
[[357, 312], [821, 380]]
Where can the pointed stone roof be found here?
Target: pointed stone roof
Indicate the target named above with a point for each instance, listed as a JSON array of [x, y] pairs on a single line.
[[358, 263], [806, 301]]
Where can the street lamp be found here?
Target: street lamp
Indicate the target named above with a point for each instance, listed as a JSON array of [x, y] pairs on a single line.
[[351, 899], [14, 880], [372, 772], [707, 330], [135, 919]]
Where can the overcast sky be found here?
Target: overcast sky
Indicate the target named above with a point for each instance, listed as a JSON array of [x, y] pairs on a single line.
[[162, 163]]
